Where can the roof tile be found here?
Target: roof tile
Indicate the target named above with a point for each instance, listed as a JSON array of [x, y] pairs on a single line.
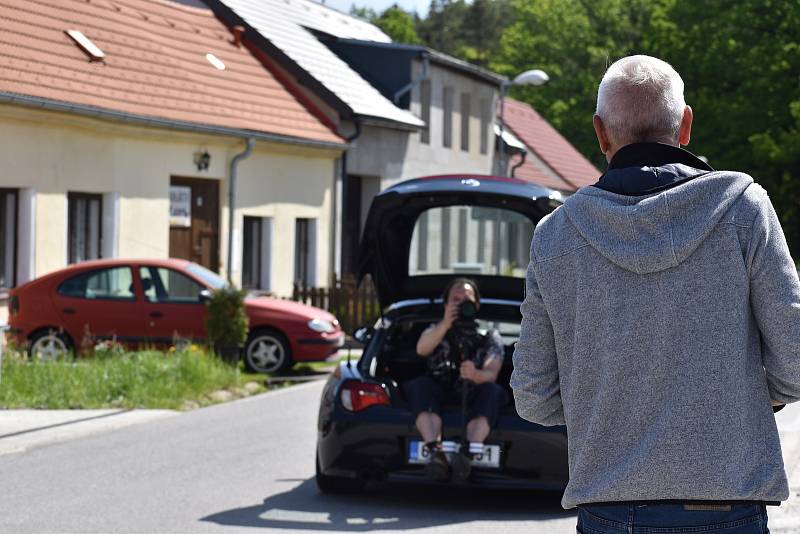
[[155, 65], [550, 147]]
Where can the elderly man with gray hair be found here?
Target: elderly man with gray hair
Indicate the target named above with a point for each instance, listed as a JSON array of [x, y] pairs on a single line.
[[661, 324]]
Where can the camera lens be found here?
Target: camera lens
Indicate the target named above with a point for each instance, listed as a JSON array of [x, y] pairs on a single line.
[[467, 310]]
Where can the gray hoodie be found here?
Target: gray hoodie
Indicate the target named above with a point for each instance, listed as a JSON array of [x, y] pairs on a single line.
[[657, 328]]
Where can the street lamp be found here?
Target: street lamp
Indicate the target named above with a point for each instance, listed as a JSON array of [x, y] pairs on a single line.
[[529, 77]]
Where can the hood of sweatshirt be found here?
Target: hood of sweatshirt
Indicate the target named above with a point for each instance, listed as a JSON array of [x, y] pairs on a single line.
[[657, 231]]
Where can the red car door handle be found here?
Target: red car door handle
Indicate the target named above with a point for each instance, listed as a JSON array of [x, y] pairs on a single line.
[[69, 311], [156, 315]]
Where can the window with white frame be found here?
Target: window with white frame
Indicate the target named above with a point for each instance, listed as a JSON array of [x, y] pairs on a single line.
[[84, 227], [8, 238], [305, 252], [256, 235]]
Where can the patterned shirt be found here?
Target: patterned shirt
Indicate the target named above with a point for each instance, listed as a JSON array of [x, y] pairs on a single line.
[[442, 365]]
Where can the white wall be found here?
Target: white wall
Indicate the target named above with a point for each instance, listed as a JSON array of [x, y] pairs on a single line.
[[48, 154]]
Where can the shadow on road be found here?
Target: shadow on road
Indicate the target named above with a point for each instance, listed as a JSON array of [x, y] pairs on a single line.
[[391, 507]]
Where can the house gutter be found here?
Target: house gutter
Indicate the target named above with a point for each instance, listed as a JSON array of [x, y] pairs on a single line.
[[520, 164], [232, 201], [143, 120]]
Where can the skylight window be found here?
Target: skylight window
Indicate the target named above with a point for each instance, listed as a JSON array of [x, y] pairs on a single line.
[[85, 44], [214, 60]]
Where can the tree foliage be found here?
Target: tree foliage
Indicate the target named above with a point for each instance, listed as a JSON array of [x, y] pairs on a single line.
[[471, 31], [740, 61], [398, 24]]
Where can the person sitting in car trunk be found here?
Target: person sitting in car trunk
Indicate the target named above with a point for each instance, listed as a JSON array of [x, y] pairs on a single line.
[[458, 356]]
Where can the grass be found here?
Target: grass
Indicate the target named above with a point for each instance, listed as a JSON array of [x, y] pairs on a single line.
[[118, 379]]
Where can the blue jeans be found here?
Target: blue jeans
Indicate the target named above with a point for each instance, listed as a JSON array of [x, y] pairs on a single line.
[[671, 518]]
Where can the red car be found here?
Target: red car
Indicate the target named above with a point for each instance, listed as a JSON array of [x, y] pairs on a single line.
[[140, 302]]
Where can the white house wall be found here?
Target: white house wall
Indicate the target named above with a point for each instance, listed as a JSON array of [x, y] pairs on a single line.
[[50, 154]]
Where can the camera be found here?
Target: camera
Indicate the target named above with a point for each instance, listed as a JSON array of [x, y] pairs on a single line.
[[467, 311]]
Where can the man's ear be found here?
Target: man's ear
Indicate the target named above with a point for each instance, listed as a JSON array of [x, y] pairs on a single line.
[[602, 137], [685, 132]]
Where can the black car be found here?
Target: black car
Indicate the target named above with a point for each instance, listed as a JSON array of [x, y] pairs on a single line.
[[419, 235]]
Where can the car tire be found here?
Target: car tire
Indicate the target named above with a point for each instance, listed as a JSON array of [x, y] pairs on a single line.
[[267, 351], [334, 485], [49, 345]]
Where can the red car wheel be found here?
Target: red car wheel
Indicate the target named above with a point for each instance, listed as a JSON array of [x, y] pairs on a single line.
[[267, 351]]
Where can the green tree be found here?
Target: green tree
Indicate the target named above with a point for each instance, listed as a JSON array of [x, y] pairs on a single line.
[[740, 60], [573, 41], [442, 29], [398, 24], [366, 13]]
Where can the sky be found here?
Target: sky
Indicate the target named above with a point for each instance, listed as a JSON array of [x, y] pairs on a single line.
[[420, 6]]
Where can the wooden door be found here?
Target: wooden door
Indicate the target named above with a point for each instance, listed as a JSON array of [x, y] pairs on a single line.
[[194, 221]]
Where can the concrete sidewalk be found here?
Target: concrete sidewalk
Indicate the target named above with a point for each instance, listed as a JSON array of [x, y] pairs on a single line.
[[21, 430]]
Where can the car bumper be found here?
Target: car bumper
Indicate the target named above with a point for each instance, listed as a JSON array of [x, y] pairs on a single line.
[[373, 445], [318, 348]]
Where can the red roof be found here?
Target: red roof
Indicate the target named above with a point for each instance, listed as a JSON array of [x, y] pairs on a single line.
[[155, 65], [559, 164]]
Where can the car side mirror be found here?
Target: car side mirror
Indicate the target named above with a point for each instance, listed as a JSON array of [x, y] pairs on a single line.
[[204, 296], [363, 334]]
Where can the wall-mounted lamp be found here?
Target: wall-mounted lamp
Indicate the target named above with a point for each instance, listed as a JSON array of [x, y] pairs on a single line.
[[202, 159]]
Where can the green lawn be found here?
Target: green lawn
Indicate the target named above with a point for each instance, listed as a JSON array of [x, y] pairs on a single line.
[[178, 379]]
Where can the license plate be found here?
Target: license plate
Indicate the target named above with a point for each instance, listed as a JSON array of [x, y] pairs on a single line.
[[418, 454]]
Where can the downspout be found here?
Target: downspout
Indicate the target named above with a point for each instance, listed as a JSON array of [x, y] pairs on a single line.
[[520, 164], [232, 201], [426, 62], [343, 174]]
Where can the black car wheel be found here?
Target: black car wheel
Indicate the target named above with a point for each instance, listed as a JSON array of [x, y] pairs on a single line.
[[49, 345], [267, 351], [329, 484]]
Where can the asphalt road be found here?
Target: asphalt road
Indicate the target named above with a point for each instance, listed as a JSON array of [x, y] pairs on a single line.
[[230, 468], [245, 466]]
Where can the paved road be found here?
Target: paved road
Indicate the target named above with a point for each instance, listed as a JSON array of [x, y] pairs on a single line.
[[230, 468]]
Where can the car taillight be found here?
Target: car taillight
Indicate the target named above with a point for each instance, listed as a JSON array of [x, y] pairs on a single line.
[[357, 396], [13, 306]]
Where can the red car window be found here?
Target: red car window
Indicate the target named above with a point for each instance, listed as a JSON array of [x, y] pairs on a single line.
[[167, 285], [115, 283]]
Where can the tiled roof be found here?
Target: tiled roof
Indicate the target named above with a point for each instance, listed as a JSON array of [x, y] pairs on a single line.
[[315, 16], [275, 23], [155, 65], [567, 166]]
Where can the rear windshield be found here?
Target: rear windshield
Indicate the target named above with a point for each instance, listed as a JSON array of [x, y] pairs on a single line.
[[470, 240]]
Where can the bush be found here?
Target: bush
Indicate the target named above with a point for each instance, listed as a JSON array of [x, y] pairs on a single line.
[[227, 321]]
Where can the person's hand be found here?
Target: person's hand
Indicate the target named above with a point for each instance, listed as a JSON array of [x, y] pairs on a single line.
[[468, 370], [450, 315]]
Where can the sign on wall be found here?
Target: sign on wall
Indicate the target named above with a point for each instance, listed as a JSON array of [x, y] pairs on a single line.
[[180, 206]]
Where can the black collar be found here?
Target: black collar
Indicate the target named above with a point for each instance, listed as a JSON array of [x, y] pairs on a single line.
[[654, 155]]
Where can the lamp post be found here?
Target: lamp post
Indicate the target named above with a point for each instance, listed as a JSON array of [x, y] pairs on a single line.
[[529, 77]]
